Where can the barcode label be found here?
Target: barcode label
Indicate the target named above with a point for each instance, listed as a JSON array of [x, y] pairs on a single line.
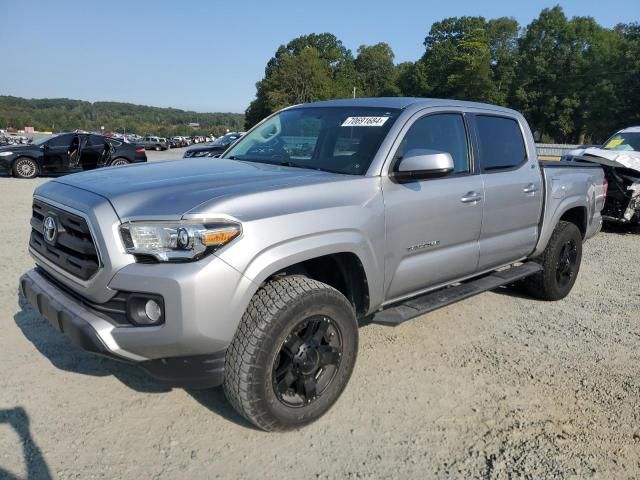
[[364, 121]]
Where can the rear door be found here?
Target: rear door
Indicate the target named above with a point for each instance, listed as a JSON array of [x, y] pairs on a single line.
[[432, 226], [512, 187]]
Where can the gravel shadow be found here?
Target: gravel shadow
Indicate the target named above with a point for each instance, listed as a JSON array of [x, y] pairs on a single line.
[[214, 400], [621, 228], [34, 461], [63, 354]]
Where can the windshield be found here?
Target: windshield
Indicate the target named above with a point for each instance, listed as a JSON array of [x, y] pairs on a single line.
[[624, 141], [225, 140], [332, 139], [42, 140]]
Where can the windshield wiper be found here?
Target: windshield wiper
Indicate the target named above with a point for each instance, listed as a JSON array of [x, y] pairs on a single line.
[[286, 163], [281, 163]]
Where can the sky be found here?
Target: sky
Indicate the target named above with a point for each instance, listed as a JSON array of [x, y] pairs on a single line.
[[207, 55]]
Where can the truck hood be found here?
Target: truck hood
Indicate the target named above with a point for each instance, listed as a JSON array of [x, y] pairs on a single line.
[[613, 158], [170, 190]]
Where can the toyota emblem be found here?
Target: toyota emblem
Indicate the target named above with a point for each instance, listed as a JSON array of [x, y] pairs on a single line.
[[50, 229]]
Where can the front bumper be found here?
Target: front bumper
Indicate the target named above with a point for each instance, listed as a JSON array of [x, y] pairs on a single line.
[[94, 333]]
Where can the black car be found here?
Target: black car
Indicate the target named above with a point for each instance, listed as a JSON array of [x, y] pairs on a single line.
[[219, 145], [67, 153]]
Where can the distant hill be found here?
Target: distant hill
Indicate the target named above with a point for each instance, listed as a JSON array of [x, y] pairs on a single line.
[[58, 114]]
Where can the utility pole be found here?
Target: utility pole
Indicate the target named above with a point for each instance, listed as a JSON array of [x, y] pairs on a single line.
[[354, 92]]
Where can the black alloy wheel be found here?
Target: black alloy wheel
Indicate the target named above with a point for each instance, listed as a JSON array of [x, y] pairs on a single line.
[[308, 361], [566, 265]]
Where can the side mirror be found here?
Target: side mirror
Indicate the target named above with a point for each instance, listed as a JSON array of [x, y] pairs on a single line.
[[419, 163], [45, 147]]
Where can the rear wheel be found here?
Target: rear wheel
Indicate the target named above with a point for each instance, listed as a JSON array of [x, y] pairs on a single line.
[[118, 162], [25, 167], [292, 355], [560, 264]]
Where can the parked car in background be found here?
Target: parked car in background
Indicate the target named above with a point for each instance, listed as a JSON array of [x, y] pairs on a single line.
[[155, 143], [619, 156], [253, 270], [67, 153], [176, 142], [218, 146]]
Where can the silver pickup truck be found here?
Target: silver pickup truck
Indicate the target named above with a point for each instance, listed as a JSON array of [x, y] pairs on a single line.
[[252, 270]]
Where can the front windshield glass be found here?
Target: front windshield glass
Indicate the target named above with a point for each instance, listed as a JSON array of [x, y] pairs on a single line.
[[332, 139], [224, 140], [42, 140], [624, 141]]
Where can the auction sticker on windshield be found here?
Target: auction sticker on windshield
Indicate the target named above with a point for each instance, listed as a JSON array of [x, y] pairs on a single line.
[[364, 121]]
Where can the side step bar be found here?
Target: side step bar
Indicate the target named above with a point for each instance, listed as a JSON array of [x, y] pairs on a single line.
[[414, 307]]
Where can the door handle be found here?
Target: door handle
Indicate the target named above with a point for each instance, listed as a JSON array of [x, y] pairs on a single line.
[[471, 197], [531, 188]]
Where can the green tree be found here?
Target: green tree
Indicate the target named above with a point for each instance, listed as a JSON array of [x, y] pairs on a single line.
[[304, 77], [502, 34], [377, 74], [326, 67], [413, 79], [570, 79], [458, 59]]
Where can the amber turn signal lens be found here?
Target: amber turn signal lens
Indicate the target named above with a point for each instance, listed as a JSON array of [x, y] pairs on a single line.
[[219, 237]]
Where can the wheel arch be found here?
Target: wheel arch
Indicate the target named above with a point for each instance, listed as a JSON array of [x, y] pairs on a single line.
[[572, 209], [578, 216], [343, 271], [343, 259]]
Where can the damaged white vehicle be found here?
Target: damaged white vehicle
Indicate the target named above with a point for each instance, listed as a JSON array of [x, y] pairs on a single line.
[[620, 159]]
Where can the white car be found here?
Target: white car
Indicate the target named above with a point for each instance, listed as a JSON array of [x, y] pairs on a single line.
[[620, 158]]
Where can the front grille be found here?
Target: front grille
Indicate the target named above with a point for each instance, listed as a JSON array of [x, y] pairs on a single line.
[[73, 249]]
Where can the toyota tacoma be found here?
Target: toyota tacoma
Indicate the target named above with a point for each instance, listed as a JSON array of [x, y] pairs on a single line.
[[252, 270]]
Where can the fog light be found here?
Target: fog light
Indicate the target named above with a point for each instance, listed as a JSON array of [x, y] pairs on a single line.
[[145, 309], [153, 310]]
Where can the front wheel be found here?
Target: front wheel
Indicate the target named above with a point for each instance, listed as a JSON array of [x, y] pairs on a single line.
[[560, 264], [25, 167], [292, 355]]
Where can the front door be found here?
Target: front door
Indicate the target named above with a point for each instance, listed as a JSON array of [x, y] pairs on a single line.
[[56, 154], [433, 225]]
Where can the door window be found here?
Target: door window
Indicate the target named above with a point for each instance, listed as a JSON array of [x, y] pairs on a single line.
[[96, 141], [500, 143], [443, 132], [60, 141]]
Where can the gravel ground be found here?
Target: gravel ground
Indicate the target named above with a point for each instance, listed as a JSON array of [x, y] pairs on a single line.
[[498, 386]]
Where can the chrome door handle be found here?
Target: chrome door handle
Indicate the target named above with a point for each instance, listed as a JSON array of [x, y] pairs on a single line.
[[531, 188], [471, 197]]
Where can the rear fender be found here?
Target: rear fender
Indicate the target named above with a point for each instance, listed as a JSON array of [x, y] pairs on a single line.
[[549, 223]]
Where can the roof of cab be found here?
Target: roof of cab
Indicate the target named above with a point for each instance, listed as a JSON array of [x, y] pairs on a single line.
[[401, 103], [630, 130]]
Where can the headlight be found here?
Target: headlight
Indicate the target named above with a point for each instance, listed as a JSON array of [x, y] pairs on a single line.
[[177, 241], [5, 154]]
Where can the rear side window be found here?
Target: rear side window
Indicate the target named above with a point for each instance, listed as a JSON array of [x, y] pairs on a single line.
[[96, 140], [500, 143]]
